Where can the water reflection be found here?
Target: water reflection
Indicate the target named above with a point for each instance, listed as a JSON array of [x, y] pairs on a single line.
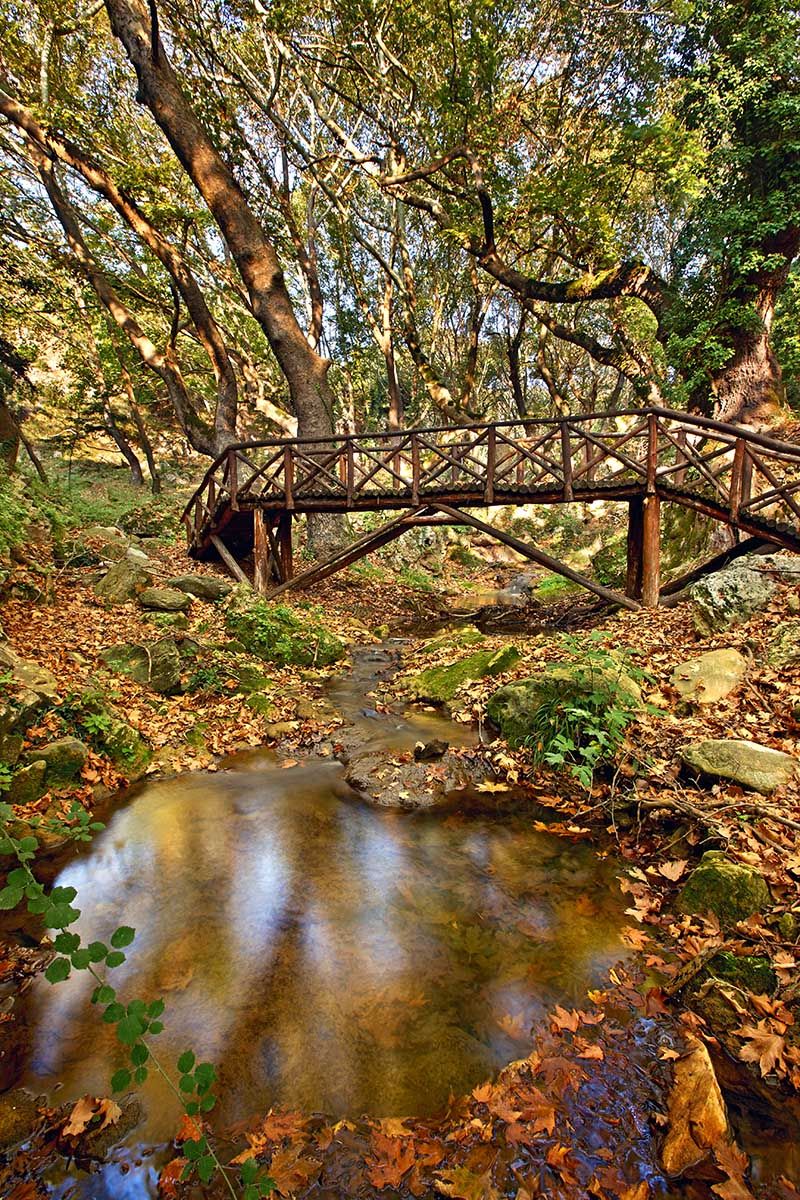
[[325, 955]]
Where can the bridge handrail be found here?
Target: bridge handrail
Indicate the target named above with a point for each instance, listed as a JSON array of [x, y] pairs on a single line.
[[736, 432]]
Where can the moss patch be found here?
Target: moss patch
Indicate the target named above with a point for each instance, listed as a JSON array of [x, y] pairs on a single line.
[[279, 634], [440, 684], [732, 891]]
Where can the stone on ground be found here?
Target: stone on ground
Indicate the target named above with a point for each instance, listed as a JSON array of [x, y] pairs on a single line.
[[441, 684], [730, 596], [204, 587], [165, 599], [784, 647], [27, 676], [758, 768], [697, 1118], [64, 759], [27, 784], [514, 708], [157, 664], [732, 891], [126, 579], [709, 677], [18, 1116]]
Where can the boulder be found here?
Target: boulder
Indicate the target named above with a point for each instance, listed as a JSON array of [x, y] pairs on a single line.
[[27, 784], [167, 620], [732, 891], [64, 759], [280, 634], [513, 708], [204, 587], [28, 677], [750, 971], [126, 748], [112, 543], [165, 599], [730, 596], [521, 585], [157, 664], [784, 647], [128, 577], [709, 677], [440, 684], [755, 767]]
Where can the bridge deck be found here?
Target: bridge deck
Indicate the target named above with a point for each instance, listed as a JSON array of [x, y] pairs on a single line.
[[745, 479]]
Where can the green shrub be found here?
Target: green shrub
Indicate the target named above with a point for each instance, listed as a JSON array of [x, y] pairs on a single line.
[[418, 580], [581, 720]]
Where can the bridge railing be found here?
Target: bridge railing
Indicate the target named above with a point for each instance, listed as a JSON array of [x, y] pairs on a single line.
[[724, 469]]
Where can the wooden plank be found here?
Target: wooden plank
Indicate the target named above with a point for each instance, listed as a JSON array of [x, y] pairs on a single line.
[[230, 562], [538, 556]]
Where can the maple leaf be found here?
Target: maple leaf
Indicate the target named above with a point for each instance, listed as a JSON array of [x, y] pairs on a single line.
[[637, 939], [170, 1177], [561, 1019], [190, 1129], [466, 1185], [85, 1110], [392, 1157], [290, 1171], [762, 1046]]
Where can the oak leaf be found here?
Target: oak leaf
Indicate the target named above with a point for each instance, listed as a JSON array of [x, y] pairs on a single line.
[[762, 1046]]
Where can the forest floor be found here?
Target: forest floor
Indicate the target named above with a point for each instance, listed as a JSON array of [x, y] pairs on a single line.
[[553, 1123]]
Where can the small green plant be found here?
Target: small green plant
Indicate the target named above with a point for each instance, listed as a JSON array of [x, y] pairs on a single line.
[[418, 580], [279, 634], [581, 716], [554, 587], [136, 1022], [207, 678], [96, 724], [6, 775]]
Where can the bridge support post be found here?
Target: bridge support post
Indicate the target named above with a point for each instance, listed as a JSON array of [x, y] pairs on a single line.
[[261, 553], [285, 551], [633, 577], [651, 551]]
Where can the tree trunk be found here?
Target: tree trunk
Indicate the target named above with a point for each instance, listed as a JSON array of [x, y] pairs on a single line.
[[305, 371], [123, 445]]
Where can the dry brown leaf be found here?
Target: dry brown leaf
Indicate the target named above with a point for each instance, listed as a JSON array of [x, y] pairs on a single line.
[[391, 1158], [465, 1185], [762, 1046]]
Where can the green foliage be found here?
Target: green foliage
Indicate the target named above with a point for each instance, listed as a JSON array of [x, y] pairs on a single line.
[[580, 722], [554, 587], [6, 775], [15, 511], [411, 577]]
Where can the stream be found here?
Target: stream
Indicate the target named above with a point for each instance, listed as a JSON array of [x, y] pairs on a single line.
[[326, 954]]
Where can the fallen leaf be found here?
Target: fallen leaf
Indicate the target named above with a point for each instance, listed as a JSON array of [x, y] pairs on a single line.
[[762, 1046], [169, 1178], [465, 1185], [391, 1158]]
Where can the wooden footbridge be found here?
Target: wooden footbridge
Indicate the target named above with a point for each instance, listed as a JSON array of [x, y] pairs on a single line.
[[247, 499]]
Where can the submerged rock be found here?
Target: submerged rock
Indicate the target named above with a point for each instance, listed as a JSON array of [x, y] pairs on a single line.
[[440, 684], [758, 768], [126, 579], [157, 664], [18, 1117], [697, 1118], [730, 596], [165, 599], [709, 677], [731, 890]]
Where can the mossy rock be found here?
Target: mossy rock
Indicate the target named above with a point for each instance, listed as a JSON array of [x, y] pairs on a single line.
[[749, 971], [731, 596], [127, 579], [709, 677], [514, 708], [454, 639], [203, 587], [165, 599], [441, 684], [759, 768], [19, 1115], [279, 634], [27, 784], [263, 704], [126, 748], [156, 664], [784, 644], [168, 620], [732, 891], [64, 759]]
